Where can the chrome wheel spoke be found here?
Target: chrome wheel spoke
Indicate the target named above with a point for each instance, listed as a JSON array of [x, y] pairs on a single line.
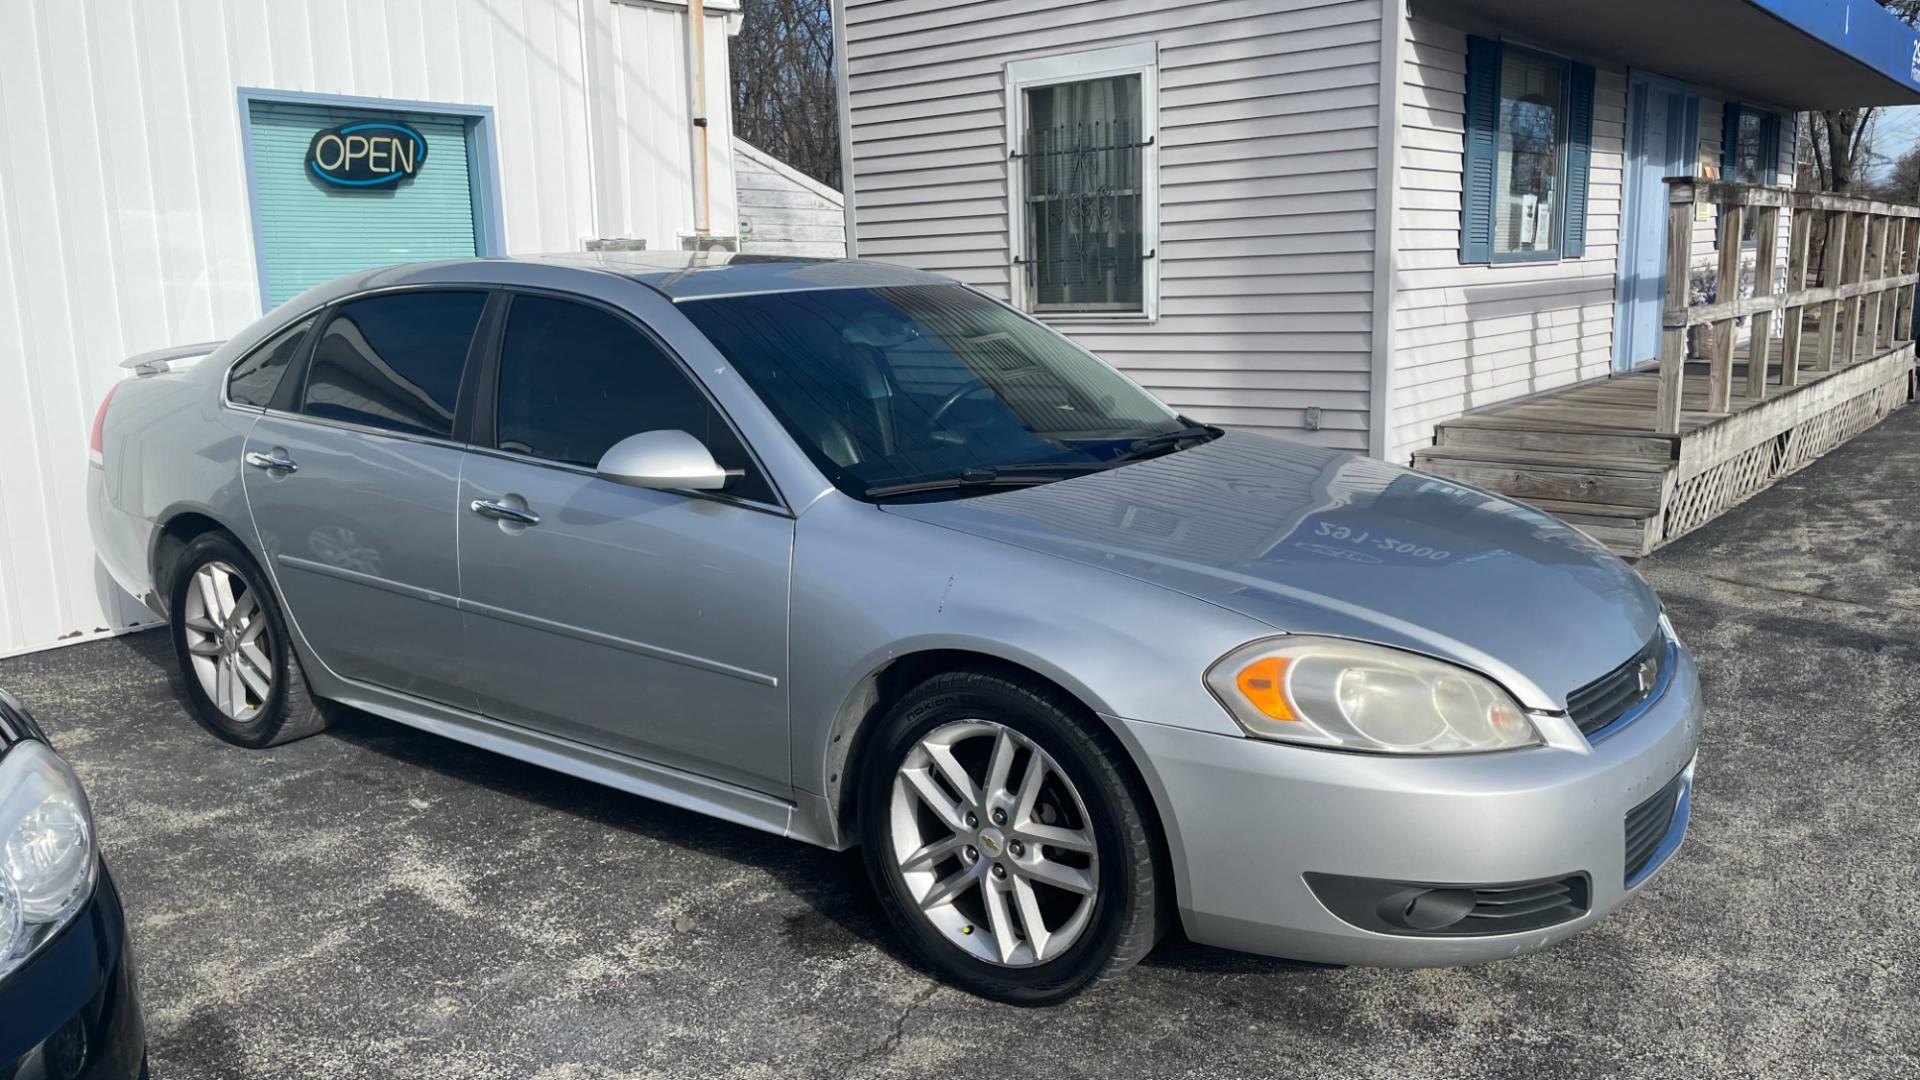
[[1029, 792], [1048, 872], [947, 889], [931, 855], [1028, 906], [943, 806], [228, 680], [1065, 839], [253, 671], [201, 625], [1000, 921], [209, 590], [204, 647], [949, 766], [1004, 748], [255, 627], [244, 608]]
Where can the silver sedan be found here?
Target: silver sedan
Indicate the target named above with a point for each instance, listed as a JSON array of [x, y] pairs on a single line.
[[858, 555]]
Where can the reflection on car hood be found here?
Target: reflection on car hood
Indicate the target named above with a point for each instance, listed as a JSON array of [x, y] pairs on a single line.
[[1320, 541]]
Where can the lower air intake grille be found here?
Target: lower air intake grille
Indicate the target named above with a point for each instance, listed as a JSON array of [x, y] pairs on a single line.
[[1648, 824], [1422, 910]]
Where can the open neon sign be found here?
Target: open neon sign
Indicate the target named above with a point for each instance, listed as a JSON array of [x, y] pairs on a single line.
[[366, 153]]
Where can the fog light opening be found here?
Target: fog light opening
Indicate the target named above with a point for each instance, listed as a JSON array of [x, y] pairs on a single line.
[[1427, 909]]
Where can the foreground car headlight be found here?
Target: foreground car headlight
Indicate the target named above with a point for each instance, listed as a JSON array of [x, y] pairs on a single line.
[[47, 864], [1355, 696]]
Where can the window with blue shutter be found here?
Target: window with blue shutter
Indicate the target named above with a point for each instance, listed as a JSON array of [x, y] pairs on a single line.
[[1528, 155]]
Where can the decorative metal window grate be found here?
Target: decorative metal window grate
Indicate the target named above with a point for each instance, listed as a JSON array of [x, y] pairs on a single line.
[[1083, 200]]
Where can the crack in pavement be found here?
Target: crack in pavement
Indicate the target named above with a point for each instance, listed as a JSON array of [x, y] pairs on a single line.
[[887, 1045]]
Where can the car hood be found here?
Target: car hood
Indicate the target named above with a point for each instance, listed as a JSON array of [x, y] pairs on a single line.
[[1319, 541]]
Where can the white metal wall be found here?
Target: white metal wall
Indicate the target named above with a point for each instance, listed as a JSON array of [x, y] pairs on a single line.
[[124, 204]]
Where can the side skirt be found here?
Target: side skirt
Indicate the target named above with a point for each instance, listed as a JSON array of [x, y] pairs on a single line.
[[675, 787]]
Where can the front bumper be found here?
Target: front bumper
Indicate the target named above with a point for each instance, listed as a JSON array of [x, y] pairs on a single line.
[[1246, 820], [72, 1012]]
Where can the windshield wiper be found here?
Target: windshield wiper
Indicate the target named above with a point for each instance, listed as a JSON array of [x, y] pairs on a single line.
[[1165, 442], [1025, 475]]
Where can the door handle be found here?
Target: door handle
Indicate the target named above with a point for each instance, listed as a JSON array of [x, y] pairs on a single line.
[[500, 511], [271, 461]]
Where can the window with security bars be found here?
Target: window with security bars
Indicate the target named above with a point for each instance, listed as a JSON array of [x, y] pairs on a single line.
[[1083, 200]]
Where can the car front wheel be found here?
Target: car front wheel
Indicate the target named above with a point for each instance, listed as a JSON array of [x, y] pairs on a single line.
[[1009, 839], [235, 655]]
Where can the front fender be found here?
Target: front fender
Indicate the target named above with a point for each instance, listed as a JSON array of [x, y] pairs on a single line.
[[871, 589]]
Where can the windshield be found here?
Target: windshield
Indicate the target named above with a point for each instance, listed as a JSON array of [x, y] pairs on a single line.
[[893, 386]]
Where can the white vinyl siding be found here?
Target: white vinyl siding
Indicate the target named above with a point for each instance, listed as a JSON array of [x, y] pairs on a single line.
[[1467, 336], [1268, 124], [783, 211]]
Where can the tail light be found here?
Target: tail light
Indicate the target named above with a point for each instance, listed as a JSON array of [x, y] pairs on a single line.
[[96, 443]]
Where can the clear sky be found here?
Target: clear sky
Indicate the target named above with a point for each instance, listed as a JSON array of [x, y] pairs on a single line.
[[1895, 131]]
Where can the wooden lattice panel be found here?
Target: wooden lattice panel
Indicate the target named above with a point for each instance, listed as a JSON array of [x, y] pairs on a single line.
[[1701, 498]]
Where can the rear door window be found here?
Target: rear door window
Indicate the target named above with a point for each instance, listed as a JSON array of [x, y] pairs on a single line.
[[574, 380], [394, 362], [253, 380]]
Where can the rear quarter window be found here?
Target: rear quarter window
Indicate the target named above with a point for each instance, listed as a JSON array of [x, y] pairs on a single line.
[[254, 379]]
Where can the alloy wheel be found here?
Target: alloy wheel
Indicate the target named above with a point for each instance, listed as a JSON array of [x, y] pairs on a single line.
[[227, 640], [993, 843]]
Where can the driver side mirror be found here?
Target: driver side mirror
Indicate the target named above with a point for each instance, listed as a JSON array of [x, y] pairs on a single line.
[[663, 459]]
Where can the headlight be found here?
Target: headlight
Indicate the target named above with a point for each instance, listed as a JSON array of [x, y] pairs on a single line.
[[1354, 696], [47, 864]]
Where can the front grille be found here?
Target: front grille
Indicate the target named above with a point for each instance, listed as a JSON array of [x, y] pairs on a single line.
[[1648, 824], [1608, 699]]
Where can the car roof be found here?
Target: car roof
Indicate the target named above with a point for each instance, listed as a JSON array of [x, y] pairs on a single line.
[[678, 275]]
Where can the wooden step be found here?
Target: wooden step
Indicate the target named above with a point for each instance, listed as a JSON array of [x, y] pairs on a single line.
[[1548, 475], [1625, 530], [1513, 433]]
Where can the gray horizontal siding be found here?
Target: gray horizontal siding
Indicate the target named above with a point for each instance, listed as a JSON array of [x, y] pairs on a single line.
[[1268, 113]]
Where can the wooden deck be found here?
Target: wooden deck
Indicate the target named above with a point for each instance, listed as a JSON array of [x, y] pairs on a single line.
[[1591, 453]]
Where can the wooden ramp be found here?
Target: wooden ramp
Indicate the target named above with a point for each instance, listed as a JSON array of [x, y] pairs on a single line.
[[1590, 454]]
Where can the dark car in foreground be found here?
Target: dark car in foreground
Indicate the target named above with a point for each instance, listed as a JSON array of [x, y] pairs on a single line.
[[68, 1006]]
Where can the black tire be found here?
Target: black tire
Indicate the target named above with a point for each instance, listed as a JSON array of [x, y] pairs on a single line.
[[1133, 901], [289, 711]]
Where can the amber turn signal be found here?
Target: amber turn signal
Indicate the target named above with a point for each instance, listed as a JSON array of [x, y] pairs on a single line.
[[1263, 684]]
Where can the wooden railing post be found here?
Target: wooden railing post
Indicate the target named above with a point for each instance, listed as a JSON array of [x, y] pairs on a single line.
[[1904, 297], [1856, 271], [1766, 234], [1833, 264], [1673, 332], [1876, 265], [1886, 330], [1726, 287], [1796, 280]]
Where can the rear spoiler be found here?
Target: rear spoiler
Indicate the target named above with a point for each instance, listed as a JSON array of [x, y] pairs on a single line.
[[159, 360]]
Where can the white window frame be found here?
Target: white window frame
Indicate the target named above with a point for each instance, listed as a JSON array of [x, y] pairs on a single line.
[[1142, 59]]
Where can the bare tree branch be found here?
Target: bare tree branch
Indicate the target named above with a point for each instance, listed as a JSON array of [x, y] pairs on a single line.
[[784, 96]]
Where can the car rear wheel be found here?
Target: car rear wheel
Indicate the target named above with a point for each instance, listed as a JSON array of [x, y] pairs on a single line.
[[1008, 839], [235, 656]]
